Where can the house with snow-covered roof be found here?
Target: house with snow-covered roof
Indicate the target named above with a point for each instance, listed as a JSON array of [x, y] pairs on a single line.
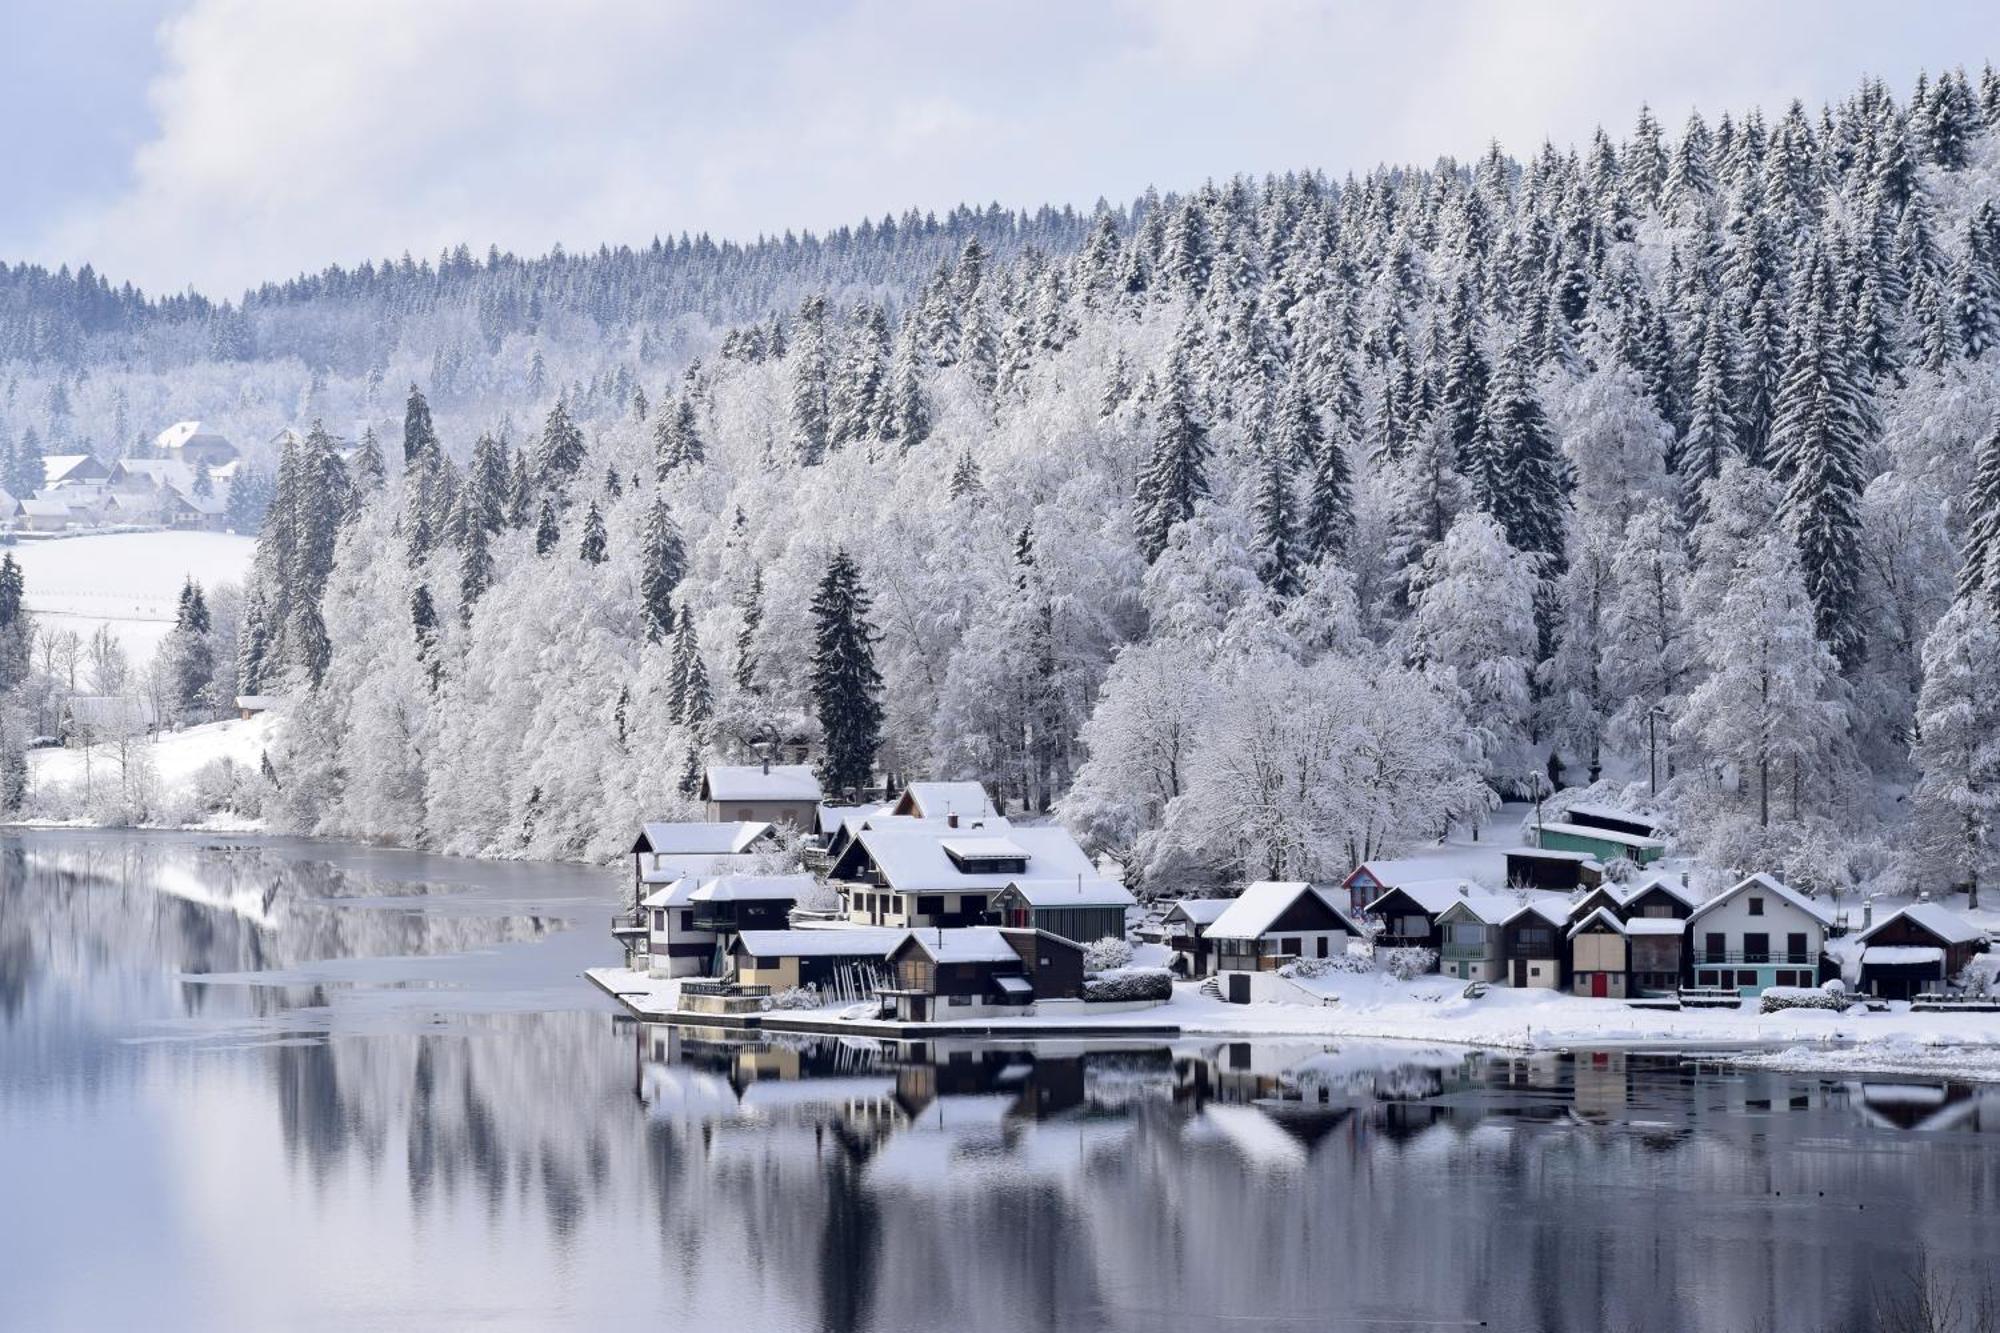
[[1470, 934], [1182, 927], [935, 800], [71, 470], [912, 873], [1917, 949], [1409, 912], [1539, 868], [941, 975], [39, 514], [1756, 934], [1083, 909], [775, 793], [1598, 955], [1274, 922], [1534, 949], [192, 442], [830, 959], [688, 925], [1604, 844]]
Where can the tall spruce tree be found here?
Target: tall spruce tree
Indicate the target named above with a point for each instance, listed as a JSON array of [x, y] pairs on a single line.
[[845, 685], [559, 456], [419, 436], [662, 565], [592, 550], [1176, 474], [1278, 548]]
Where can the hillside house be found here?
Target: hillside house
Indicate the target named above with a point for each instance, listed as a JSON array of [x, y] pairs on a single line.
[[1757, 934], [1534, 947], [1602, 844], [773, 793], [1916, 950], [935, 800], [1470, 934], [1082, 909], [929, 873], [1193, 955], [1273, 922], [979, 972], [42, 515]]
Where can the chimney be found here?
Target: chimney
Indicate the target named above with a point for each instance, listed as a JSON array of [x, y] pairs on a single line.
[[1867, 914], [767, 761], [1684, 879], [1464, 889], [951, 819]]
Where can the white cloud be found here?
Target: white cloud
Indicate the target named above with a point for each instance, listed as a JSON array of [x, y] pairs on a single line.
[[291, 136]]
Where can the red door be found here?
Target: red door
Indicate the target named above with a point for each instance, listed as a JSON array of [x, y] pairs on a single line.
[[1597, 985]]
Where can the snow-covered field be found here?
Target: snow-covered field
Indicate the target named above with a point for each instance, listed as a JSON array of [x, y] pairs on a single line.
[[128, 580], [60, 777]]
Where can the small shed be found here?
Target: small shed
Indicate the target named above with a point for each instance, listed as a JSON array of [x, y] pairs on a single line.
[[1601, 843], [1185, 922], [1613, 820], [1538, 868]]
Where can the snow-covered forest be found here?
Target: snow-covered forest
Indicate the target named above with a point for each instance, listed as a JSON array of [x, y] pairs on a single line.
[[1251, 531]]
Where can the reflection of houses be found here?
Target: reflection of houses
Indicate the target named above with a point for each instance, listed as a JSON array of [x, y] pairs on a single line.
[[1760, 933], [1193, 955], [1083, 909], [980, 971], [774, 793], [1273, 922], [1917, 949]]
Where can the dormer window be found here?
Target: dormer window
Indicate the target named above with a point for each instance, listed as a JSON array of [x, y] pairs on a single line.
[[987, 856]]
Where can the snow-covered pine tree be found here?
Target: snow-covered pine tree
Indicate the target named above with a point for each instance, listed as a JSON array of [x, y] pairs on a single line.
[[1279, 553], [592, 549], [845, 685], [1956, 748], [547, 534], [808, 409], [419, 436], [662, 565], [559, 455], [1176, 474]]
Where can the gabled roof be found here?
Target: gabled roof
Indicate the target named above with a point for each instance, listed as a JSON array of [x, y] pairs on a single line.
[[1200, 911], [693, 838], [1612, 836], [1947, 926], [1556, 914], [1605, 915], [1769, 885], [755, 782], [935, 800], [735, 888], [1090, 891], [1433, 895], [1656, 925], [1486, 908], [847, 942], [182, 433], [1670, 884], [965, 944], [666, 869], [1393, 873], [57, 467], [1253, 911], [678, 892], [36, 507], [913, 860]]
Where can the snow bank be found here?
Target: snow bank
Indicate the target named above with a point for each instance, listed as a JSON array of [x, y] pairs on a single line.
[[127, 580]]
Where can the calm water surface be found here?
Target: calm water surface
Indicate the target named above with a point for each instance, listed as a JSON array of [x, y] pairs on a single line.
[[260, 1084]]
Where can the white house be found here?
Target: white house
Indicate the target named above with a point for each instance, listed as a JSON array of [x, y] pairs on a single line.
[[1759, 933], [191, 443], [943, 873], [1273, 922], [776, 793], [935, 800]]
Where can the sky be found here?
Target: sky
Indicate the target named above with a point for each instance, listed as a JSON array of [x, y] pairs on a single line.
[[215, 144]]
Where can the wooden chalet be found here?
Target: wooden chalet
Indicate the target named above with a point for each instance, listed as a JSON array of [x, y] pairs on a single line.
[[1599, 955], [1274, 922], [1533, 947], [980, 971], [937, 800], [918, 873], [1193, 955], [1470, 931], [1409, 913], [1917, 950]]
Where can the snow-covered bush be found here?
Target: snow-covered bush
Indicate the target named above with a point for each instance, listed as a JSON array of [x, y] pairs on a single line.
[[1307, 968], [1620, 870], [1129, 983], [1779, 998], [1408, 964], [794, 997], [1106, 955]]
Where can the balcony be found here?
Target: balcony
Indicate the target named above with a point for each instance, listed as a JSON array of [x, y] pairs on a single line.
[[1484, 952], [629, 923], [1772, 957]]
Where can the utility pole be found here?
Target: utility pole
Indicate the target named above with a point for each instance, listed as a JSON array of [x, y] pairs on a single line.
[[1653, 715]]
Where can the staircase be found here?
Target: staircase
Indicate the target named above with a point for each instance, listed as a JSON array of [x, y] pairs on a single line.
[[1212, 988]]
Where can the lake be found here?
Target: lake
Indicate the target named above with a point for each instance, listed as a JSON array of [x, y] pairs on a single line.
[[257, 1083]]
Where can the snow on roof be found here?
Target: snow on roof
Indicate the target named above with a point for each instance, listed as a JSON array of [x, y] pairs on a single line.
[[734, 888], [1892, 955], [985, 849], [1632, 840], [57, 466], [1089, 891], [845, 942], [1201, 911], [256, 703], [729, 837], [1612, 812], [754, 782], [1552, 854], [667, 869], [181, 433], [1604, 914], [1947, 926], [1555, 913], [37, 507], [678, 892], [966, 944], [913, 860], [100, 710], [1656, 925], [1670, 884], [934, 800], [1488, 908], [159, 471], [1433, 895], [1251, 912], [1014, 985], [1769, 885]]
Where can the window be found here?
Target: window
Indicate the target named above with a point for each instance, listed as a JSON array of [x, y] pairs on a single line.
[[1322, 946], [659, 919], [1657, 910], [1713, 946], [1413, 925], [930, 904], [1536, 939], [1292, 945], [1756, 907], [973, 903], [1746, 979], [1795, 947], [1756, 947], [958, 999]]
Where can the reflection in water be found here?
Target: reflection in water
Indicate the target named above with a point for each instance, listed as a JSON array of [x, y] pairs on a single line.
[[294, 1086]]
